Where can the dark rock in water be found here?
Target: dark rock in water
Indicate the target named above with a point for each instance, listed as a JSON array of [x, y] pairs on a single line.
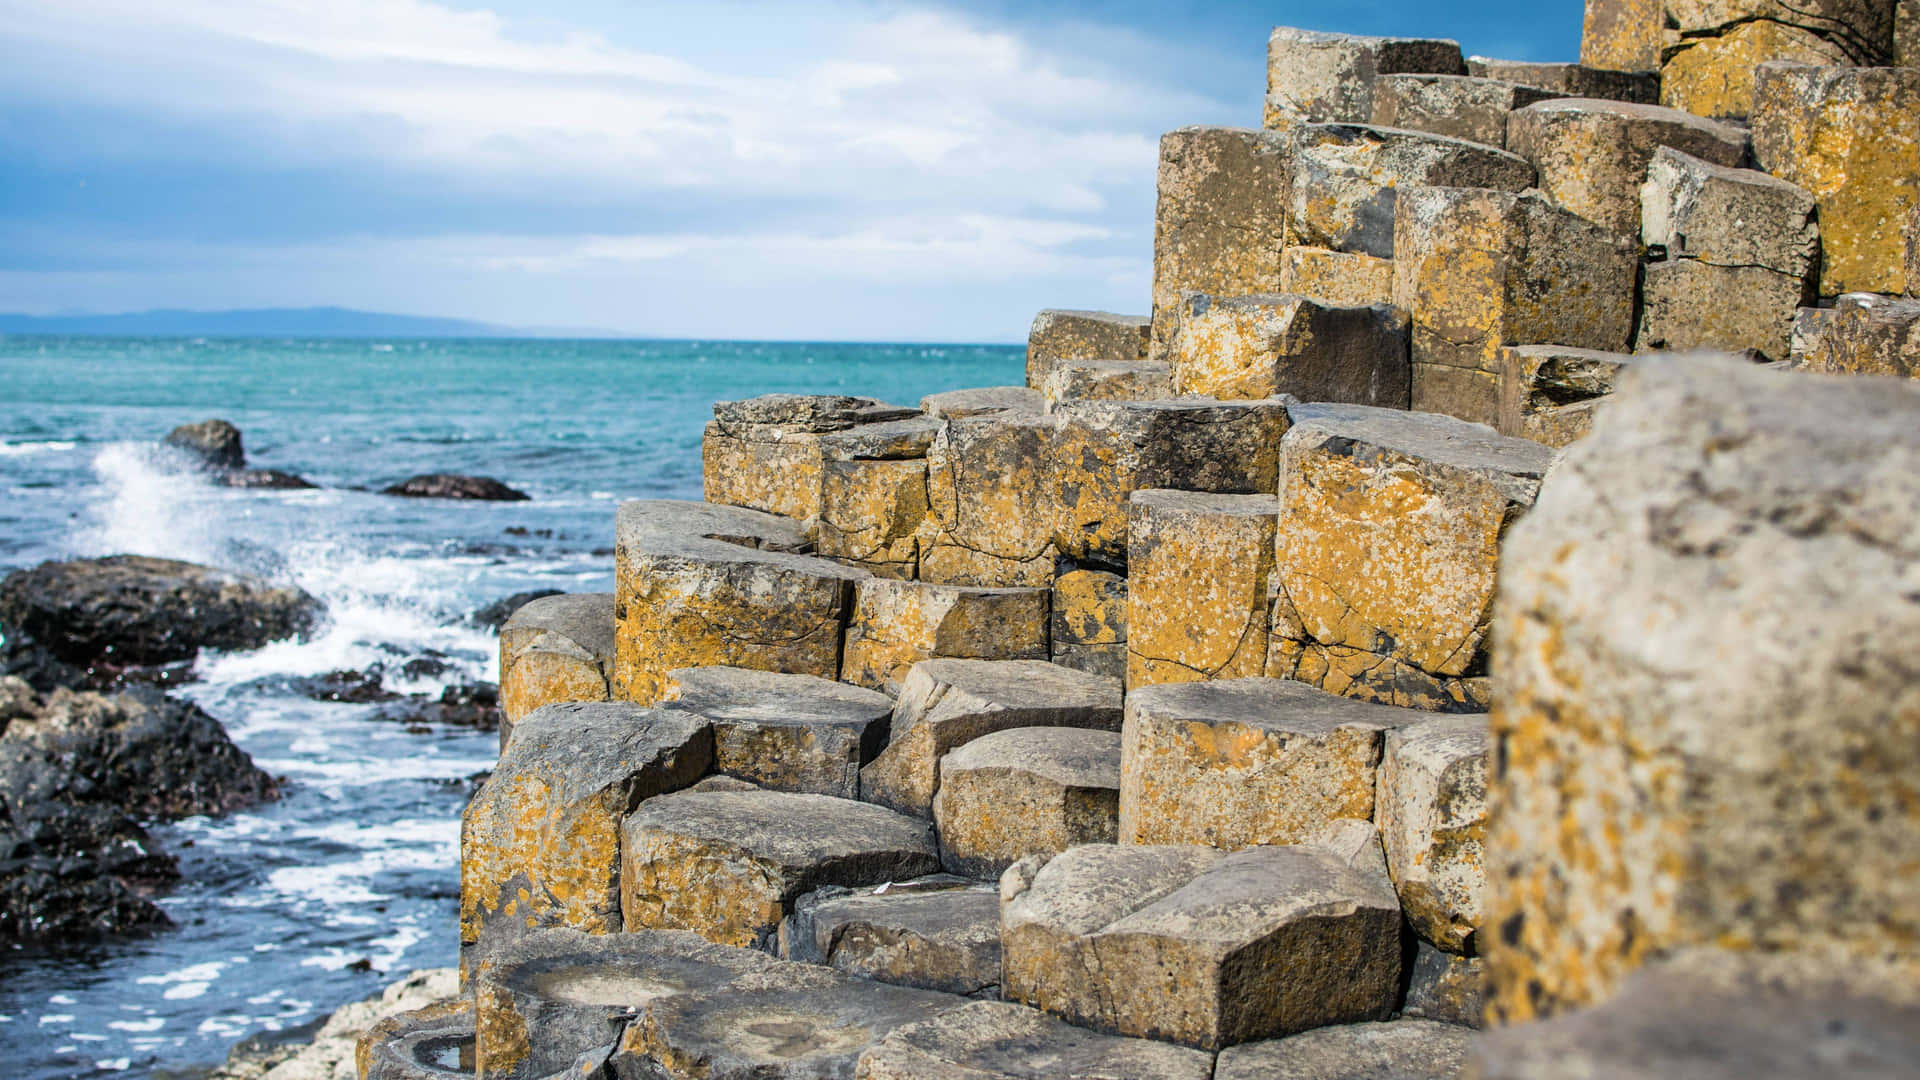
[[270, 479], [353, 687], [426, 667], [24, 658], [474, 705], [495, 615], [449, 486], [125, 611], [213, 444], [78, 772]]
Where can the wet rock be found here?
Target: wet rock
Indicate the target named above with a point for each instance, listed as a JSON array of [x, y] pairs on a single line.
[[1389, 532], [548, 998], [540, 842], [1433, 824], [1089, 622], [1448, 988], [266, 480], [684, 600], [345, 686], [1851, 136], [1711, 50], [427, 1043], [1317, 77], [213, 445], [1026, 791], [785, 732], [873, 514], [1219, 225], [1197, 594], [1342, 278], [981, 401], [729, 865], [1869, 335], [1713, 502], [1641, 86], [897, 624], [1107, 380], [105, 615], [1269, 344], [495, 615], [473, 705], [554, 649], [1593, 155], [945, 704], [451, 486], [1001, 1041], [1059, 337], [990, 501], [1246, 761], [1346, 180], [1548, 393], [1401, 1049], [1193, 946], [1457, 106], [1554, 278], [936, 933]]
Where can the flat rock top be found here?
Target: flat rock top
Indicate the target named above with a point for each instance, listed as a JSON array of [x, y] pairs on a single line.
[[1431, 437], [1250, 890], [998, 1039], [896, 589], [1130, 322], [805, 412], [1442, 739], [977, 401], [1195, 407], [814, 1029], [1398, 1050], [1411, 151], [1567, 352], [742, 695], [1017, 684], [937, 906], [628, 969], [1071, 757], [582, 745], [891, 440], [1165, 500], [648, 523], [1279, 705], [1088, 888], [1611, 111], [587, 618], [1324, 37], [786, 828]]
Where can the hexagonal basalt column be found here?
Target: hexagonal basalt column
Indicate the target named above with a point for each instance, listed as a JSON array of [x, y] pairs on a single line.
[[555, 649]]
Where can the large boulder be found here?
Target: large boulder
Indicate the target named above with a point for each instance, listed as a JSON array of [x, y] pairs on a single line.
[[1065, 337], [896, 624], [1459, 106], [1433, 823], [1346, 179], [1026, 791], [1709, 52], [554, 649], [454, 486], [1707, 733], [990, 506], [1267, 344], [105, 615], [213, 445]]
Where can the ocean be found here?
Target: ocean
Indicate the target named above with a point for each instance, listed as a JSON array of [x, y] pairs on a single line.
[[292, 909]]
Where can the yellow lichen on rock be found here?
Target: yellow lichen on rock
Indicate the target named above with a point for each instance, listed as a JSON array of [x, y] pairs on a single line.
[[1197, 585], [897, 624], [873, 514], [1336, 277]]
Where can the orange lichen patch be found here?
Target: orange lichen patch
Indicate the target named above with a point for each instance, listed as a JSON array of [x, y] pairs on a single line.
[[545, 675], [1197, 588], [1621, 35], [1336, 277], [873, 514], [1220, 222], [772, 470], [686, 883], [897, 624], [990, 503], [1714, 76]]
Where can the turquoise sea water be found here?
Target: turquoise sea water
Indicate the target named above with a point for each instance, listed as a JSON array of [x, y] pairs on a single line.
[[281, 906]]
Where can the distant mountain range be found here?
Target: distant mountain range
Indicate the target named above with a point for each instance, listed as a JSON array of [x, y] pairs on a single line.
[[316, 322]]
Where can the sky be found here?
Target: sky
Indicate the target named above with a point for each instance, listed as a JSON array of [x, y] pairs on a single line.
[[849, 171]]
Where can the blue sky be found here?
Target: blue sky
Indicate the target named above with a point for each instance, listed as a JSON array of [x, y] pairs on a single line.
[[847, 171]]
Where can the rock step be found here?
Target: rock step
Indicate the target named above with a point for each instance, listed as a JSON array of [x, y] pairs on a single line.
[[1432, 808], [982, 401], [1316, 77], [797, 733], [944, 704], [1272, 344], [1401, 1049], [555, 649], [433, 1043], [1026, 791], [1469, 107], [997, 1040], [764, 453], [1198, 602], [729, 865], [1106, 380], [937, 933], [896, 624], [1060, 337]]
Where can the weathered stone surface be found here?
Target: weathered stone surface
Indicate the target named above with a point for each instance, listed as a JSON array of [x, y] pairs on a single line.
[[1448, 988], [784, 732], [997, 1040], [1593, 154], [1389, 530], [1316, 77], [729, 864], [544, 1000], [1621, 35], [1852, 137], [1711, 49], [897, 624], [1026, 791], [890, 440], [555, 649], [1459, 106], [1089, 622], [1336, 277], [1104, 451], [653, 518], [1346, 179], [1869, 335], [1809, 326], [1107, 380], [945, 704], [1433, 825], [1193, 946], [1268, 344], [1220, 222], [1197, 590], [792, 1022], [540, 842], [990, 501], [1400, 1050], [1241, 762], [1478, 270], [1906, 39], [810, 413], [1573, 80], [410, 1045], [682, 600], [1738, 1025], [1656, 785], [773, 469], [981, 401], [873, 514], [1548, 393], [1687, 304], [936, 933], [1059, 337]]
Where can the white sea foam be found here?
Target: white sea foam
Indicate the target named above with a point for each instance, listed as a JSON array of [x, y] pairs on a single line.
[[28, 449]]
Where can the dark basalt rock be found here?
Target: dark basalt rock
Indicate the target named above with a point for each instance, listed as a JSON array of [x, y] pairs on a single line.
[[450, 486], [474, 705], [213, 445], [495, 615], [349, 686], [267, 479]]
